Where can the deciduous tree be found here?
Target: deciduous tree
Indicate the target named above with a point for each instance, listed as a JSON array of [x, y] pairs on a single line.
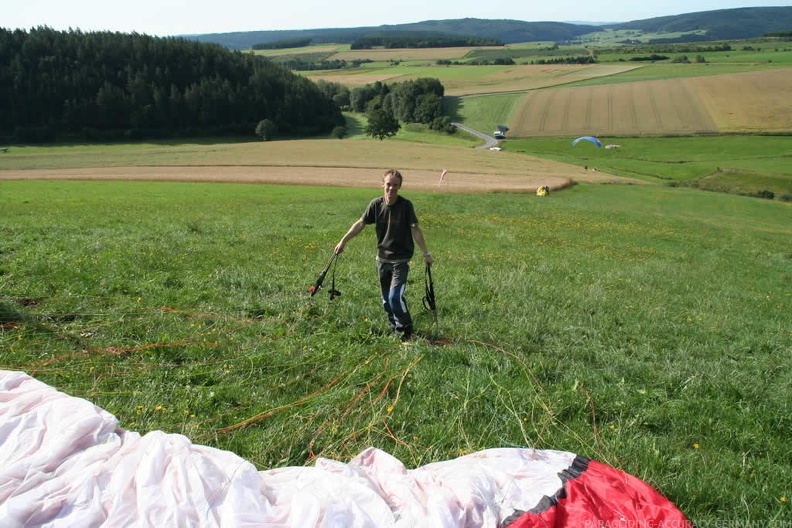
[[381, 123]]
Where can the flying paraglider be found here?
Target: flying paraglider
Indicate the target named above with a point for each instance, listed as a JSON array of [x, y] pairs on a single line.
[[588, 138]]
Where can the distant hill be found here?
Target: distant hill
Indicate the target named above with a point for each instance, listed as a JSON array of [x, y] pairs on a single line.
[[724, 24], [507, 31]]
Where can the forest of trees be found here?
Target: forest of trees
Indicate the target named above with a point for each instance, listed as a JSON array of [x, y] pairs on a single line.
[[283, 44], [298, 64], [421, 41], [104, 86], [414, 101], [583, 59]]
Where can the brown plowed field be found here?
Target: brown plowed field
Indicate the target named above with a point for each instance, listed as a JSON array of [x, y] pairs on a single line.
[[741, 102]]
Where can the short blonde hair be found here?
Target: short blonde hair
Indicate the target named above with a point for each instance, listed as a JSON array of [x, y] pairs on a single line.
[[392, 172]]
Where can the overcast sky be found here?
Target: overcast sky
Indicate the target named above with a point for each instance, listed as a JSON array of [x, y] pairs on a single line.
[[184, 17]]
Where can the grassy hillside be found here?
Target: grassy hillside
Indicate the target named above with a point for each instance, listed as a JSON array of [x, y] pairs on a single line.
[[721, 24], [645, 327]]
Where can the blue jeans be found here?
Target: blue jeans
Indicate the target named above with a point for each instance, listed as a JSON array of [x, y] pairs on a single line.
[[393, 281]]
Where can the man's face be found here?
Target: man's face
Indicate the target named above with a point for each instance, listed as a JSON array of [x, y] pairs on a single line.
[[391, 185]]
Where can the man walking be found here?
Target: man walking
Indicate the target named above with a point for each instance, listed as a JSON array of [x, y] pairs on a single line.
[[397, 232]]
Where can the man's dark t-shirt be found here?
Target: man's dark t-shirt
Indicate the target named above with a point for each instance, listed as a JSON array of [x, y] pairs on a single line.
[[394, 228]]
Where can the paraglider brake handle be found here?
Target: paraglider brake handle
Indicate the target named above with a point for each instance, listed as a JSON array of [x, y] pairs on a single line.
[[314, 289], [429, 293]]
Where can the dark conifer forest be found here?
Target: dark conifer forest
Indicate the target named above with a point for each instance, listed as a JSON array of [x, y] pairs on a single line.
[[57, 85]]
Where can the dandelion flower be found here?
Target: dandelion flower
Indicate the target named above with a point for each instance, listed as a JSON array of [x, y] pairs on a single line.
[[696, 446]]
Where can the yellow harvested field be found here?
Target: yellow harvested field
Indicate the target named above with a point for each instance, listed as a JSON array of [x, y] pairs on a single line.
[[360, 77], [723, 103], [653, 107], [527, 77], [748, 102], [419, 180], [327, 162]]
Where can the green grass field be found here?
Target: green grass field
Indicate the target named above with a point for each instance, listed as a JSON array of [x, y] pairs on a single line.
[[758, 162], [484, 112], [646, 327]]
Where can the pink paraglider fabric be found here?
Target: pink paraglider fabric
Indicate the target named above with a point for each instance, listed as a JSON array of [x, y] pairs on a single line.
[[66, 463]]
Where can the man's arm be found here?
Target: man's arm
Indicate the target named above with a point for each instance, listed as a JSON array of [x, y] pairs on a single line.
[[419, 239], [356, 228]]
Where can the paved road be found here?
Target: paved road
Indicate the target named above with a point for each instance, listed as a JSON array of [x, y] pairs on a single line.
[[489, 141]]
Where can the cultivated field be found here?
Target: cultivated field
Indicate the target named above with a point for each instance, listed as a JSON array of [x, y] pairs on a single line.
[[474, 80], [325, 48], [327, 162], [403, 54], [748, 102], [657, 107], [744, 102]]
